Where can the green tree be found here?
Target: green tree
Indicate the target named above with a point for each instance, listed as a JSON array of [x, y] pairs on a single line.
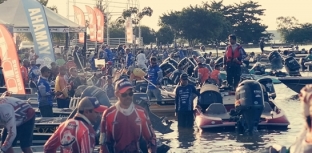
[[147, 33], [195, 24], [165, 35], [117, 31], [285, 25]]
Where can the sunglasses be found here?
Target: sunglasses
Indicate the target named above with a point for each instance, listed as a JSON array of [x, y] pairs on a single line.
[[127, 94]]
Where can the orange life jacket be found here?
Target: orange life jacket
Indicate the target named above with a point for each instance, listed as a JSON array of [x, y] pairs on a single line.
[[215, 75], [204, 72], [230, 54]]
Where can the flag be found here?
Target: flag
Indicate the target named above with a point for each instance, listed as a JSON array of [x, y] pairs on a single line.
[[80, 20], [129, 30], [92, 23], [100, 25]]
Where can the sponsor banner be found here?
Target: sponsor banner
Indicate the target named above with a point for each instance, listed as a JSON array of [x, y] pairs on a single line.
[[10, 63], [80, 20], [129, 30], [92, 23], [100, 25], [56, 30], [39, 29]]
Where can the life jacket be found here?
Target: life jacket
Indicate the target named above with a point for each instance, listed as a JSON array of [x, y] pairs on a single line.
[[214, 75], [230, 54], [204, 72]]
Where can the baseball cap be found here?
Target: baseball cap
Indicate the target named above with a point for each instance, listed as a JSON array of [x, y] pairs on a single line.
[[123, 85], [44, 69], [88, 103], [184, 76]]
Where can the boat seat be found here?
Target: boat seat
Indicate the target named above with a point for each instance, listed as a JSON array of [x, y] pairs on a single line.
[[217, 110], [266, 110]]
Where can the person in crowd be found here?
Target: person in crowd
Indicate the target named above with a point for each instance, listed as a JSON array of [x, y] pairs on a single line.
[[233, 57], [77, 135], [75, 81], [155, 76], [133, 124], [203, 73], [202, 48], [155, 52], [246, 60], [61, 89], [101, 53], [45, 94], [24, 71], [184, 102], [181, 54], [165, 54], [57, 51], [141, 60], [261, 45], [109, 87], [108, 68], [129, 58], [109, 54], [18, 119], [33, 76], [60, 60], [92, 63], [100, 82], [175, 75], [215, 75], [205, 55], [32, 55], [76, 55], [54, 71], [70, 63]]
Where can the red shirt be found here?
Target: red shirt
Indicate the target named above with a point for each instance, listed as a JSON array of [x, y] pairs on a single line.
[[122, 133], [24, 72], [72, 136], [204, 73]]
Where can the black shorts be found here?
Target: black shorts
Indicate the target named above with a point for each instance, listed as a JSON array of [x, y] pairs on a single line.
[[24, 134]]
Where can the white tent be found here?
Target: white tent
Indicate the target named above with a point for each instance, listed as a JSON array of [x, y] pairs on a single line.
[[12, 12]]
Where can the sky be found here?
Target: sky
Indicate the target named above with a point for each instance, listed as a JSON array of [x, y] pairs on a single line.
[[274, 8]]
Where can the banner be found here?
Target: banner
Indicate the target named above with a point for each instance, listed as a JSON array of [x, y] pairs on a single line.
[[10, 63], [100, 25], [129, 30], [80, 20], [92, 23], [39, 28]]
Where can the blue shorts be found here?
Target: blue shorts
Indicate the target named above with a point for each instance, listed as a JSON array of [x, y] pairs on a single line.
[[24, 134]]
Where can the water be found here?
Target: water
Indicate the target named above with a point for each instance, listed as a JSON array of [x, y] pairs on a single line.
[[196, 141]]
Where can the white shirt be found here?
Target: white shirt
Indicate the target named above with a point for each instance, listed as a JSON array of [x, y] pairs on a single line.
[[57, 50], [141, 58]]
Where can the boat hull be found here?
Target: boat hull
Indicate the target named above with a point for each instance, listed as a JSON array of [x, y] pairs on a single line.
[[295, 83]]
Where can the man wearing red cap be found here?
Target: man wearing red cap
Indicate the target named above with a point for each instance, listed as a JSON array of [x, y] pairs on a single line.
[[77, 135], [125, 123]]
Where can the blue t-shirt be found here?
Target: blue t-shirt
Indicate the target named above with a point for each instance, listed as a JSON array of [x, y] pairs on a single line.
[[45, 94], [129, 59], [153, 76], [34, 73], [184, 98]]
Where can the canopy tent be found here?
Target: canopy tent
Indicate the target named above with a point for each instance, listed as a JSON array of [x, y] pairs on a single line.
[[12, 12]]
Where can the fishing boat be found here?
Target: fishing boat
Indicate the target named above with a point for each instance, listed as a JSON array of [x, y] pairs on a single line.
[[219, 113], [295, 83]]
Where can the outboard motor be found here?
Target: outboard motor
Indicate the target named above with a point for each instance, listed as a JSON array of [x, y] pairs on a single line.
[[141, 86], [259, 68], [292, 66], [276, 60], [249, 105], [209, 94], [193, 61], [302, 60], [269, 86], [186, 64], [93, 91], [167, 68], [141, 99], [219, 61], [171, 61], [175, 77]]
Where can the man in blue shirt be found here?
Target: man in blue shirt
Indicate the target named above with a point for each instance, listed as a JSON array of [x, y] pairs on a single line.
[[108, 54], [45, 94], [129, 58], [155, 76], [184, 102], [33, 76]]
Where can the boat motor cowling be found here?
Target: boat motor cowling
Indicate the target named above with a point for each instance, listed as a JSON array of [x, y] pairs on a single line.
[[171, 61], [175, 77], [166, 68], [141, 85], [141, 99], [219, 61], [292, 66], [93, 91], [269, 86], [249, 104], [209, 94], [276, 60], [186, 64], [258, 68]]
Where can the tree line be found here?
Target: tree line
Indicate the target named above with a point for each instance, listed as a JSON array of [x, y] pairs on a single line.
[[294, 32]]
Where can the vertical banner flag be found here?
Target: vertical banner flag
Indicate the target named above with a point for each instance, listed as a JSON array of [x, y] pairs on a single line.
[[129, 30], [92, 23], [80, 20], [39, 28], [100, 25], [10, 63]]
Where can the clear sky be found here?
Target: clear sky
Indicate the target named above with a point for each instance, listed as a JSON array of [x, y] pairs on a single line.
[[301, 9]]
